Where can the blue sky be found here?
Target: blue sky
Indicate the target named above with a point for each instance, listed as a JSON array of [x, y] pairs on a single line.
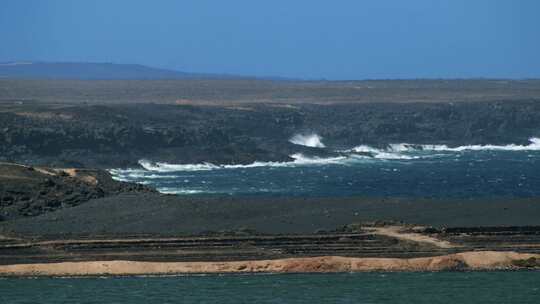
[[344, 39]]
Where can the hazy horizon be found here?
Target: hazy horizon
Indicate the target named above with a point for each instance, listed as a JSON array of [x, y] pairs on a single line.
[[417, 39], [233, 76]]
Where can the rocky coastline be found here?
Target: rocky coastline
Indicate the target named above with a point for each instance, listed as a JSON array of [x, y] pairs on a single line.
[[118, 136], [27, 191], [62, 214]]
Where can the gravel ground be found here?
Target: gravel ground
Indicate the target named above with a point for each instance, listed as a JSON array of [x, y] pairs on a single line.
[[156, 214]]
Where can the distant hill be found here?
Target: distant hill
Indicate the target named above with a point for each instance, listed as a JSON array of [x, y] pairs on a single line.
[[90, 71]]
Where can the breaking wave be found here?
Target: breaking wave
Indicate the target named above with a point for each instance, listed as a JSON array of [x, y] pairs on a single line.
[[166, 190], [362, 153], [298, 160], [534, 145], [309, 140], [379, 153], [138, 173], [351, 169]]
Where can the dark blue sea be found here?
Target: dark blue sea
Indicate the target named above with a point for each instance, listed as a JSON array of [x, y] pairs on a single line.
[[400, 170]]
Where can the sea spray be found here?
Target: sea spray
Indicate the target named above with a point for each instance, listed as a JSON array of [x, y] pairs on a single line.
[[309, 140]]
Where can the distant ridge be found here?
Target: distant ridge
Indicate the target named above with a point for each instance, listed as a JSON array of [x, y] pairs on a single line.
[[95, 71]]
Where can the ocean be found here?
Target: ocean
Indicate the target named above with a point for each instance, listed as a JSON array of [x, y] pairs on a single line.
[[415, 287], [399, 170]]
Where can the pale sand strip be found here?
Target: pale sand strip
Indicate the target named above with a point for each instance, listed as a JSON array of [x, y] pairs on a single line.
[[481, 260], [396, 232]]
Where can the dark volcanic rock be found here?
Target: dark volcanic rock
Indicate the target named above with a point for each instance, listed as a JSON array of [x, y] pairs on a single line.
[[29, 191], [120, 135]]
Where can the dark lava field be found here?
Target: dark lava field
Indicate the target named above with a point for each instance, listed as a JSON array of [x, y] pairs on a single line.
[[116, 123]]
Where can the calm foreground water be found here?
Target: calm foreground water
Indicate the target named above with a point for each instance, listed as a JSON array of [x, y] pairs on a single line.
[[445, 287]]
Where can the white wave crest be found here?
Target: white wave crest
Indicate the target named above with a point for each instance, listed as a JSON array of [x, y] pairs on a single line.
[[402, 151], [126, 171], [534, 145], [166, 167], [395, 150], [309, 140], [364, 149], [166, 190], [298, 160], [129, 175], [380, 153], [389, 156]]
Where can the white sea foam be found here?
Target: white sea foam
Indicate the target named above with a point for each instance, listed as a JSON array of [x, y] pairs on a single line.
[[401, 151], [364, 149], [387, 155], [145, 175], [166, 190], [309, 140], [298, 160], [166, 167], [534, 145], [116, 177], [380, 153], [127, 171], [129, 175]]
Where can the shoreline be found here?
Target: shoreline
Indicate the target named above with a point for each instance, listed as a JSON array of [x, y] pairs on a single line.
[[465, 261], [104, 135]]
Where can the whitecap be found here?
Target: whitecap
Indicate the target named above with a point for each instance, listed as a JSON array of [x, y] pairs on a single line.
[[400, 151], [309, 140], [395, 151], [166, 167], [298, 160], [389, 156], [534, 145], [166, 190], [364, 149], [380, 153]]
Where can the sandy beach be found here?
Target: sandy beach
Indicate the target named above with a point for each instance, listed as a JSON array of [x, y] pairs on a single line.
[[483, 260]]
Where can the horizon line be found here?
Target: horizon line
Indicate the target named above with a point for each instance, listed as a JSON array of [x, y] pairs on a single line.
[[13, 63]]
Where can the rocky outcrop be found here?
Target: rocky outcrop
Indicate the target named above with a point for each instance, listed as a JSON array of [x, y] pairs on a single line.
[[30, 191], [120, 135]]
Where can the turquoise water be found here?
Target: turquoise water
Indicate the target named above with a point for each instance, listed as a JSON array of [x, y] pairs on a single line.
[[444, 287]]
